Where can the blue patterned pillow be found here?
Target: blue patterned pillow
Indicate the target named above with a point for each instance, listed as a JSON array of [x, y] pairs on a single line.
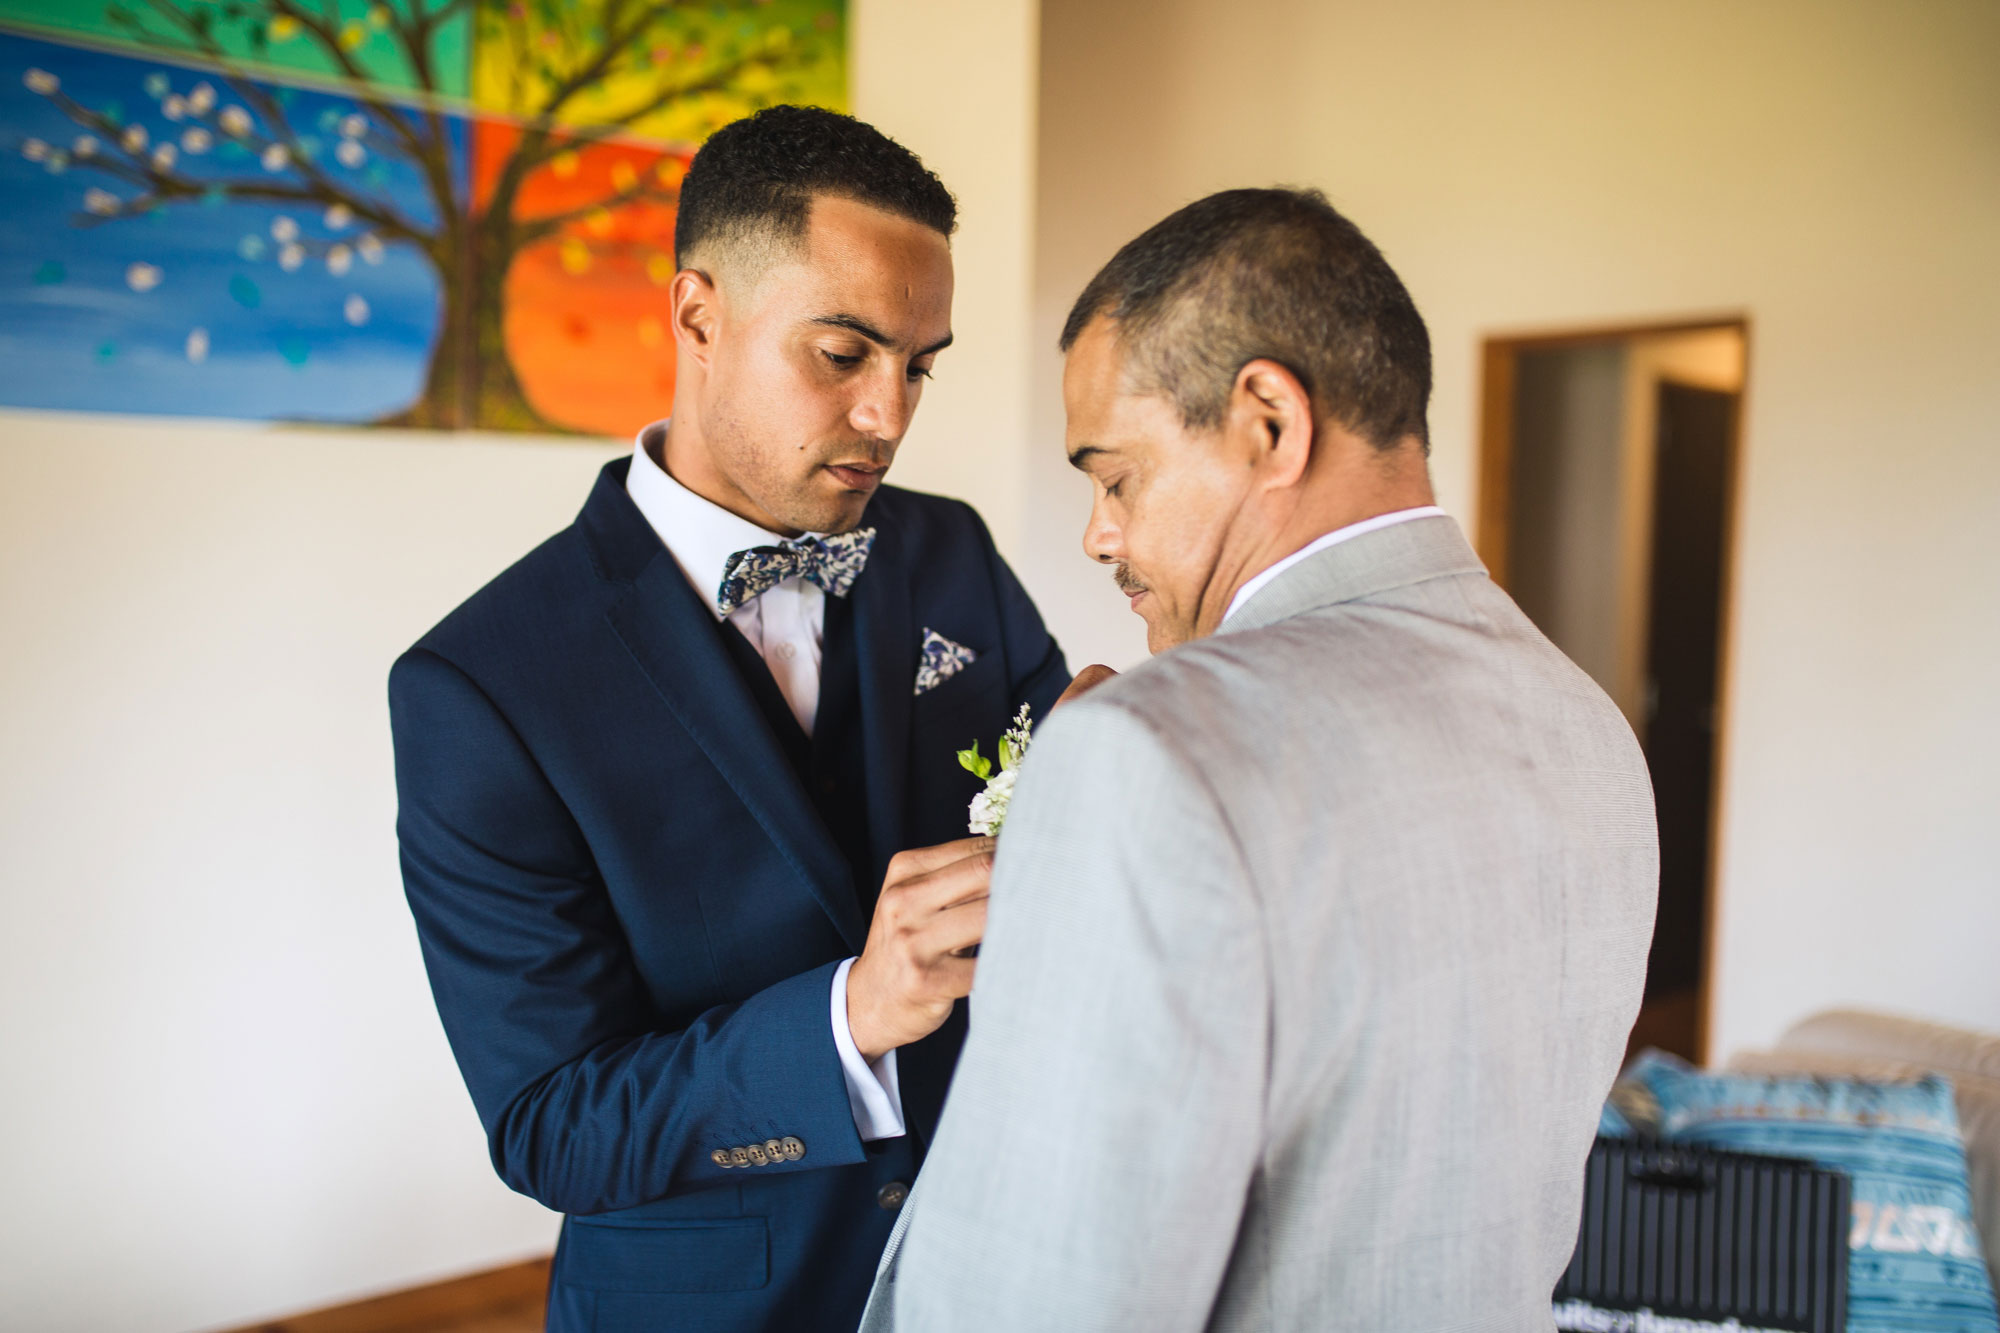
[[1914, 1262]]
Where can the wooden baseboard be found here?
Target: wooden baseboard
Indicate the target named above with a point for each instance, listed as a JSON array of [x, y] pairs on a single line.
[[500, 1300]]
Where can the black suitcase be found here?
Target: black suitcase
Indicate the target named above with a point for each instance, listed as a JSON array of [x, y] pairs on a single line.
[[1678, 1240]]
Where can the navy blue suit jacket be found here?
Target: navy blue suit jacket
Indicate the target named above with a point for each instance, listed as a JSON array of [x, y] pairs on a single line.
[[631, 910]]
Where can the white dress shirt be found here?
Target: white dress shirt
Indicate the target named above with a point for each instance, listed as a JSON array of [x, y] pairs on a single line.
[[786, 625], [1318, 544]]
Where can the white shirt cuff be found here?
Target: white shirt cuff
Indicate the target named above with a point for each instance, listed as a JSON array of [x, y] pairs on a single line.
[[872, 1093]]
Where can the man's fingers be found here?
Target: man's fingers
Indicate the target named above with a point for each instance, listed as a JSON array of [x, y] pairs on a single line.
[[955, 928], [922, 860], [1085, 681], [953, 975], [950, 885]]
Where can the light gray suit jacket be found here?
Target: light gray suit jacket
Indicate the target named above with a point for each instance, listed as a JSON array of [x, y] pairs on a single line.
[[1312, 953]]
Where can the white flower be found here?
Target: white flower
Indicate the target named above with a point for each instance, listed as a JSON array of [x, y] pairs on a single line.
[[235, 121], [195, 139], [339, 216], [338, 260], [354, 125], [41, 81], [134, 138], [200, 99], [276, 157], [370, 246], [355, 309], [284, 229], [989, 808], [84, 147], [163, 157], [174, 107], [101, 202], [350, 153], [35, 150], [290, 256], [142, 277], [197, 346]]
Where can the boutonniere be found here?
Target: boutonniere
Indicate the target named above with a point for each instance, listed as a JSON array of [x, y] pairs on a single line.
[[989, 808]]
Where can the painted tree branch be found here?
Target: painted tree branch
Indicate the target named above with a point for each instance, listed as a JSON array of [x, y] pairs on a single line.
[[138, 167], [531, 230]]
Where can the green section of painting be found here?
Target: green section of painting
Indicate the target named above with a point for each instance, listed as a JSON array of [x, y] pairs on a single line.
[[680, 71], [311, 38]]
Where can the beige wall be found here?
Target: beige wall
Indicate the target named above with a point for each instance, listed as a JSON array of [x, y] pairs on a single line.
[[1827, 168]]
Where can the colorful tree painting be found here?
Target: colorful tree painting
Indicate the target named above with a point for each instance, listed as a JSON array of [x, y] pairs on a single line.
[[512, 165]]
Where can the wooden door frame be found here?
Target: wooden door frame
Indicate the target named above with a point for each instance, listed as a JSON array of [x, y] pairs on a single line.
[[1499, 357]]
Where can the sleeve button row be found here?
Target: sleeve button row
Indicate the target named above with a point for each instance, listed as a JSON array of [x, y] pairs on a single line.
[[768, 1153]]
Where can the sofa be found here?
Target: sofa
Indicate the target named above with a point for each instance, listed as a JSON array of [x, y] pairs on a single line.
[[1860, 1044]]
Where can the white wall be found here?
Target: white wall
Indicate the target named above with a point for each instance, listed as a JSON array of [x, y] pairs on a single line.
[[1826, 166], [228, 1094], [955, 82]]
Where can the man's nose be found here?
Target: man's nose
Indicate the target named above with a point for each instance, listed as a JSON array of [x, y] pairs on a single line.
[[884, 408], [1102, 541]]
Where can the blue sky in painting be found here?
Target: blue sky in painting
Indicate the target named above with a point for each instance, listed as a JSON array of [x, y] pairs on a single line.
[[272, 343]]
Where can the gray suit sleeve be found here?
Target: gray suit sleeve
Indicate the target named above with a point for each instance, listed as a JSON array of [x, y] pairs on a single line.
[[1106, 1119]]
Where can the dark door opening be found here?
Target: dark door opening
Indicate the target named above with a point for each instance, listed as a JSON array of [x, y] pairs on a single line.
[[1607, 476], [1694, 442]]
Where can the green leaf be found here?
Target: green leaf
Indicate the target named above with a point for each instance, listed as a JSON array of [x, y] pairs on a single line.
[[974, 763], [1009, 758]]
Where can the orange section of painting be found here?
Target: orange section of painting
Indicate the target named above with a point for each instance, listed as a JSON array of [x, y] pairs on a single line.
[[586, 308]]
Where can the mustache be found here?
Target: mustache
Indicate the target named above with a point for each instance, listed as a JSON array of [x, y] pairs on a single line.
[[1121, 574], [873, 453]]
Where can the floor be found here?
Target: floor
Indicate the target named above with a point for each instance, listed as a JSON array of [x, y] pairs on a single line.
[[503, 1300]]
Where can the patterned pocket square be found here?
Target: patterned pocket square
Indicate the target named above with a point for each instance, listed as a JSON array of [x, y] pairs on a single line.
[[941, 660]]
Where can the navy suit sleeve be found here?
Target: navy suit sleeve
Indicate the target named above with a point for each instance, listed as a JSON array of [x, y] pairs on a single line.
[[588, 1104], [1037, 674]]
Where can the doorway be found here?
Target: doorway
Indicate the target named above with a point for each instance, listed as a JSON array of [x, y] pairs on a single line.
[[1607, 485]]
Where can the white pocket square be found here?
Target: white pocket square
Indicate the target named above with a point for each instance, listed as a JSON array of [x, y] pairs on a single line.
[[940, 660]]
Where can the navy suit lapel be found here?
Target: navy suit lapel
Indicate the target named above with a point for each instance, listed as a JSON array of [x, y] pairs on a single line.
[[886, 642], [886, 627], [672, 637]]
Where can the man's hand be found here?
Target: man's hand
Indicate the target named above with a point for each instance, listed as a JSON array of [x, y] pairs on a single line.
[[932, 910], [1086, 680]]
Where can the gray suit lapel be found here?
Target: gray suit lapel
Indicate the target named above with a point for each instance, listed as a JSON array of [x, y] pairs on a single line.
[[1375, 562]]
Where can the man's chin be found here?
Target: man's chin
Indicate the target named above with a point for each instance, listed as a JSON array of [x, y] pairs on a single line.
[[842, 512]]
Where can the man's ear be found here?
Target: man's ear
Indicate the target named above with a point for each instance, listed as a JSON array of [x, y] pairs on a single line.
[[696, 310], [1271, 412]]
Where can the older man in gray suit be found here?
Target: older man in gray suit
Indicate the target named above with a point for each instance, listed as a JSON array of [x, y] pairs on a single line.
[[1314, 942]]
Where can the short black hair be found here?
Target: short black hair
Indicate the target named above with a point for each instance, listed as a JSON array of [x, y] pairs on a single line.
[[1276, 273], [755, 179]]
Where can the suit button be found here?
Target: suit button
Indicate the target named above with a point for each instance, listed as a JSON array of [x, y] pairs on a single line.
[[891, 1195], [758, 1157], [721, 1158], [739, 1156], [774, 1149], [794, 1148]]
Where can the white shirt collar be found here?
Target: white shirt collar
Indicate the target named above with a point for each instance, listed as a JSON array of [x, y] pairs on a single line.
[[700, 534], [1318, 544]]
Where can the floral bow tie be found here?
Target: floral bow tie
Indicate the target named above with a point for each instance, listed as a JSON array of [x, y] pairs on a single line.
[[833, 563]]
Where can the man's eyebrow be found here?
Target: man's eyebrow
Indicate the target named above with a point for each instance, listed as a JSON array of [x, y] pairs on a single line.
[[855, 324]]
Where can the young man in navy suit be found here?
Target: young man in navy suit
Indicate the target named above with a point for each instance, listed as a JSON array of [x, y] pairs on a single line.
[[660, 780]]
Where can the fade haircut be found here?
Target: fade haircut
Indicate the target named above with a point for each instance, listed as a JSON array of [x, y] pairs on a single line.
[[1276, 274], [751, 186]]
